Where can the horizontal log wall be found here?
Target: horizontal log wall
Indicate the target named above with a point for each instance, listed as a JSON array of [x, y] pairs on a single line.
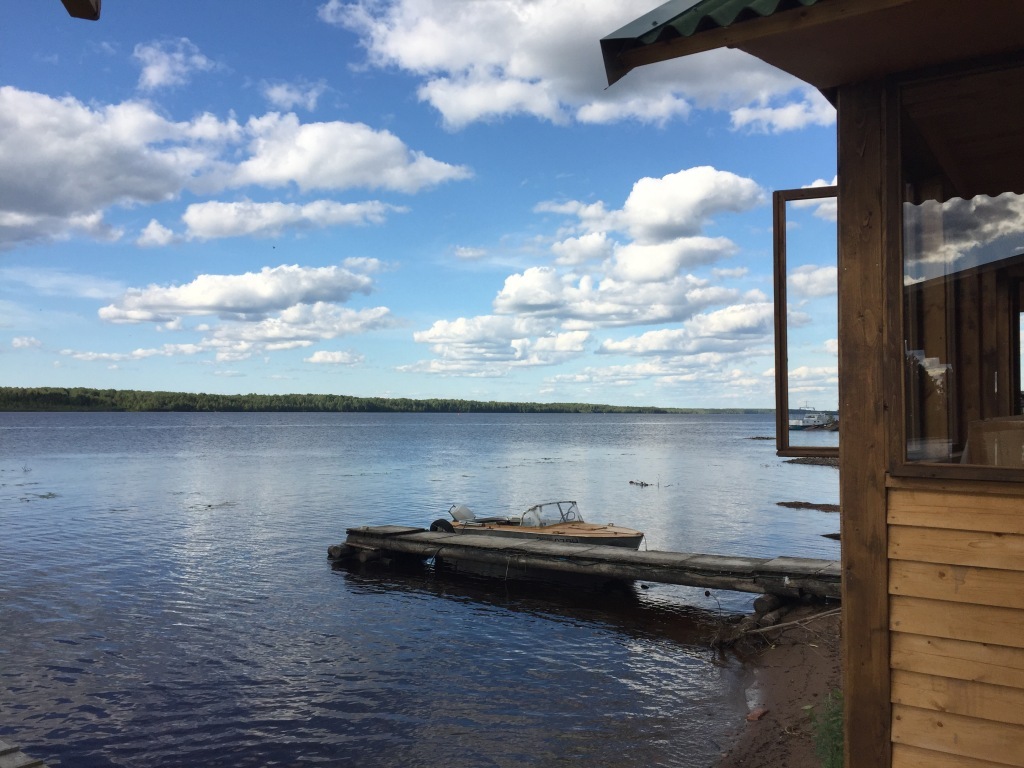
[[956, 586]]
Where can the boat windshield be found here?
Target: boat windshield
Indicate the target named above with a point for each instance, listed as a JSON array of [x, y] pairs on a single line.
[[551, 513]]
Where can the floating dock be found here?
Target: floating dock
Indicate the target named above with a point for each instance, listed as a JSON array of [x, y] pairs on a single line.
[[790, 577], [12, 757]]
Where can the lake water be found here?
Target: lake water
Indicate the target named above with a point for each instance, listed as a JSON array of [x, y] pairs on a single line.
[[166, 600]]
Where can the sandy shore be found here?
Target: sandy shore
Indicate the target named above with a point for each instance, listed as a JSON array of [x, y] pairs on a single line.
[[793, 668]]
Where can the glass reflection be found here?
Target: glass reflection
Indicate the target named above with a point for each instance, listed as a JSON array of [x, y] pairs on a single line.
[[963, 271]]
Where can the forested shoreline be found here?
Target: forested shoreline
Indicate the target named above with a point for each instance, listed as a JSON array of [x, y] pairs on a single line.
[[84, 399]]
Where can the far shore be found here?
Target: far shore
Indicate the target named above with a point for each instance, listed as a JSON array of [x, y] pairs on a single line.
[[85, 399]]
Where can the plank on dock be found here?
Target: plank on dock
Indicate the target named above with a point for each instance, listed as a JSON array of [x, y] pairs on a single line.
[[12, 757]]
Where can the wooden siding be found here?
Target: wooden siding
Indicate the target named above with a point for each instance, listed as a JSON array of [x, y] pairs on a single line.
[[956, 615], [913, 757]]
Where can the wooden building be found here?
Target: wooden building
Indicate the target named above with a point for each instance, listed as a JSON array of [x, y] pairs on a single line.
[[930, 103]]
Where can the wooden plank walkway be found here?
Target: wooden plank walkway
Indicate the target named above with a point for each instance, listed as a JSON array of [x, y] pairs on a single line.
[[784, 576]]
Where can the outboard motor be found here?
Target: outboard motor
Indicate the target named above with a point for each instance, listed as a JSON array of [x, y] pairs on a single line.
[[459, 512]]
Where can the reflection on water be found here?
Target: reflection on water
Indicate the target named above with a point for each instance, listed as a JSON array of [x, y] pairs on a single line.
[[167, 577]]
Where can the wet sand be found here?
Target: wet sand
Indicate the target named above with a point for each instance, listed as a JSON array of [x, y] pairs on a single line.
[[791, 669]]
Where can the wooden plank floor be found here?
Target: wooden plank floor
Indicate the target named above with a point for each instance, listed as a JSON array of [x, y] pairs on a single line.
[[784, 576]]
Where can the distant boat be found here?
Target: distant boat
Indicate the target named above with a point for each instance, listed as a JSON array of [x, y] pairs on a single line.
[[813, 420], [559, 521]]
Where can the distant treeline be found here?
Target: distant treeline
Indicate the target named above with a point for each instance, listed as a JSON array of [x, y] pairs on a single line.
[[81, 399]]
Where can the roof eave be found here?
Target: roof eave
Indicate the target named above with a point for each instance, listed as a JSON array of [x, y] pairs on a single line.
[[624, 50], [83, 9]]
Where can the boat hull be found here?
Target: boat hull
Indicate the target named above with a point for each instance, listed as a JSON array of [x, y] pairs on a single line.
[[563, 533]]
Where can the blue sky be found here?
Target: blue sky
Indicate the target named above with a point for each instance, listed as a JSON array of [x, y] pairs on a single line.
[[414, 198]]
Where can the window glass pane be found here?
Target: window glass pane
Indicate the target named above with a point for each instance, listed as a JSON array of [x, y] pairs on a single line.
[[812, 318], [962, 270], [963, 267]]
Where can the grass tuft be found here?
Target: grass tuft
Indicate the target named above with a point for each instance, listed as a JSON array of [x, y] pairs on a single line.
[[828, 730]]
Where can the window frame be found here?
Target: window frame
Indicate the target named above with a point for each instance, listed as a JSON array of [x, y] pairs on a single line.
[[779, 200], [899, 465]]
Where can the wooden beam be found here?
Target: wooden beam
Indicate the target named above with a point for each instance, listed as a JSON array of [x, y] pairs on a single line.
[[83, 9], [735, 35], [863, 443]]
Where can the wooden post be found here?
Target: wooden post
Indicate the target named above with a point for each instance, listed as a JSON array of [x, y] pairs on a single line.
[[864, 181]]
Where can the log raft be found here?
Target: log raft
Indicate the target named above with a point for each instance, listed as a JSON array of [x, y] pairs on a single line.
[[789, 577]]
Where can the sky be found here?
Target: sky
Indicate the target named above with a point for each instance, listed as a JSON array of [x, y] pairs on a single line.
[[403, 198]]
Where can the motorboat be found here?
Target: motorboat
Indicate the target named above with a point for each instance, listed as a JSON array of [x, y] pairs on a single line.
[[559, 521]]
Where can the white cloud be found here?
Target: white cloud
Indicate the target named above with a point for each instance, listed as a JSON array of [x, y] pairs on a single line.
[[169, 62], [288, 96], [245, 218], [624, 303], [336, 156], [735, 272], [253, 294], [491, 345], [593, 246], [650, 107], [154, 235], [58, 282], [681, 204], [814, 380], [811, 281], [63, 163], [167, 350], [540, 303], [275, 309], [659, 210], [826, 208], [295, 327], [977, 231], [814, 109], [483, 61], [599, 281], [479, 331], [26, 342], [298, 326], [479, 96], [739, 325], [324, 357], [731, 376], [535, 290], [661, 262], [467, 253]]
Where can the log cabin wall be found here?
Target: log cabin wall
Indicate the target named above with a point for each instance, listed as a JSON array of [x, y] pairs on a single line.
[[933, 545], [933, 562], [956, 596]]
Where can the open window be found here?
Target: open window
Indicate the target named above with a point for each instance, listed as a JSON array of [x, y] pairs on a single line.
[[962, 165], [806, 381]]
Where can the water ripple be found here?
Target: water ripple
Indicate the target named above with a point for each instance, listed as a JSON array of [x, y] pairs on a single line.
[[167, 577]]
